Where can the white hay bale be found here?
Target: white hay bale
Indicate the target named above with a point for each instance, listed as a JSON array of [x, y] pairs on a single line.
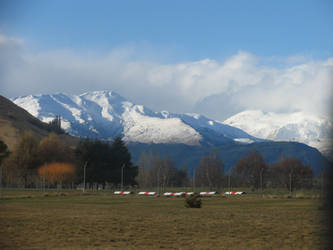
[[123, 192], [208, 193], [235, 193], [173, 193], [177, 193], [147, 193]]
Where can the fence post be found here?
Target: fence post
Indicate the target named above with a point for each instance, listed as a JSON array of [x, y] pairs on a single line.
[[122, 177], [193, 180], [84, 176], [261, 172], [0, 181], [290, 181], [44, 181]]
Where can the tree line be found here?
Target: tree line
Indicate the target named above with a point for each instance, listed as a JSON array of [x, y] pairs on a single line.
[[156, 171], [55, 163], [52, 162], [250, 172]]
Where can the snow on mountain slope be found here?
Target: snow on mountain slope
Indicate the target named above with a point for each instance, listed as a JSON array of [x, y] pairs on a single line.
[[30, 103], [104, 115], [146, 129], [140, 127], [200, 122], [299, 126]]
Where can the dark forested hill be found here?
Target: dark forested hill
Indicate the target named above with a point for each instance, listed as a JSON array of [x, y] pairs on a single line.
[[272, 151]]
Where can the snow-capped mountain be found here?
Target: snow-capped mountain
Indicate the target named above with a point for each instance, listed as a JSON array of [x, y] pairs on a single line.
[[105, 114], [315, 131]]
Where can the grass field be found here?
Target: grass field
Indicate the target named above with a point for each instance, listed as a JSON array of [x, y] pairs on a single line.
[[100, 220]]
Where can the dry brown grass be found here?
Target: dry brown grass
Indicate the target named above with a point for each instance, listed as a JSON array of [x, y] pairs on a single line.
[[104, 221]]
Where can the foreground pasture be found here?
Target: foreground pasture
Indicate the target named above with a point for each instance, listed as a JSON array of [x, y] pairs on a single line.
[[105, 221]]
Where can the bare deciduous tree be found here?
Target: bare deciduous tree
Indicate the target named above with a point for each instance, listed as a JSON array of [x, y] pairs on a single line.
[[250, 171], [155, 171], [210, 172], [291, 173]]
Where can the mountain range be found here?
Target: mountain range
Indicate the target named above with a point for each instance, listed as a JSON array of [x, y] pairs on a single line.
[[313, 130], [105, 115], [183, 137]]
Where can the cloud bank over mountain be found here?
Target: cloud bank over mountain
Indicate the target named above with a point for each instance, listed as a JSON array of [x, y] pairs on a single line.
[[216, 88]]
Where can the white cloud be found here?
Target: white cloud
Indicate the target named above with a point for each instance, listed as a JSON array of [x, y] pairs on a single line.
[[215, 88]]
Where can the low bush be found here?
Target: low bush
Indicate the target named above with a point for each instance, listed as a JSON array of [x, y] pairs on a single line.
[[193, 201]]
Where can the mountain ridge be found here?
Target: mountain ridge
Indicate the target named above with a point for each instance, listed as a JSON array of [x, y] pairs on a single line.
[[15, 120], [313, 130], [106, 114]]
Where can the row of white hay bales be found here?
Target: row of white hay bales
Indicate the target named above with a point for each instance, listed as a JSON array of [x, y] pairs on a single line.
[[235, 193], [178, 193], [168, 194]]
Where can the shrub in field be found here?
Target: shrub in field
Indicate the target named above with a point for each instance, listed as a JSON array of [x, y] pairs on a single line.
[[193, 201]]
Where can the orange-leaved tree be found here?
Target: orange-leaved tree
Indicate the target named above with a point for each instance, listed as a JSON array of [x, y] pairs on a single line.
[[57, 172]]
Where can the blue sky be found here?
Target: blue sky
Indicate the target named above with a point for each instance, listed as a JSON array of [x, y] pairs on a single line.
[[183, 56], [189, 30]]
